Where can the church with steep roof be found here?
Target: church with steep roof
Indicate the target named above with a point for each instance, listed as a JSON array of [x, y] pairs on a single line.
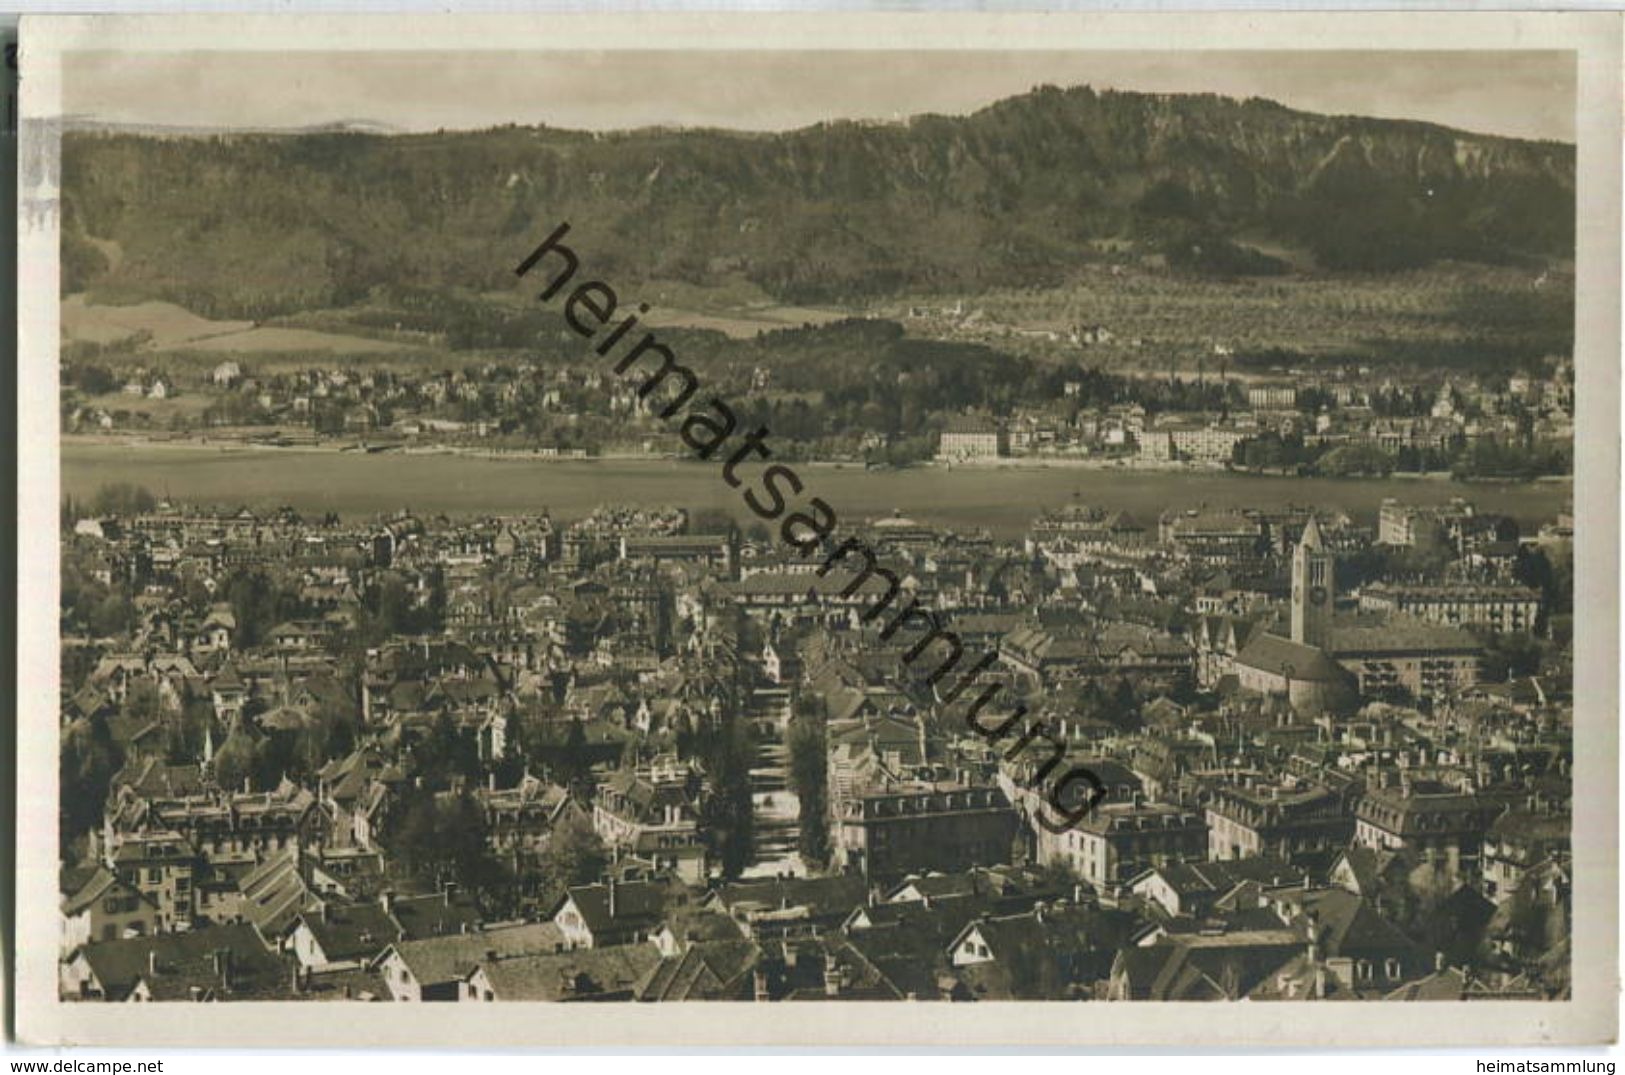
[[1328, 662]]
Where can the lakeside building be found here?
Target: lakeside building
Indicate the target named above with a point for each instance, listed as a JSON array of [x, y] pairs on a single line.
[[1272, 397], [966, 438], [1194, 442]]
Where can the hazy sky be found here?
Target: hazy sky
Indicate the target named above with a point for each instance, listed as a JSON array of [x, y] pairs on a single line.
[[1525, 94]]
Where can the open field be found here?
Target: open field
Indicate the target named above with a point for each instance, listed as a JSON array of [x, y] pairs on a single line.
[[1002, 499], [280, 340], [737, 309], [167, 324], [741, 323], [168, 327]]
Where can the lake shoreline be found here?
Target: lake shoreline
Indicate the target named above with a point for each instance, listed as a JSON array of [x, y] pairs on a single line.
[[1003, 500], [499, 455]]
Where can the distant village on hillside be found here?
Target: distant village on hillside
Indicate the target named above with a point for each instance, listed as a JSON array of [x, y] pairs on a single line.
[[1336, 420]]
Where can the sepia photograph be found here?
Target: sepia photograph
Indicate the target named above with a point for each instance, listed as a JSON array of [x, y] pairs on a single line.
[[790, 516]]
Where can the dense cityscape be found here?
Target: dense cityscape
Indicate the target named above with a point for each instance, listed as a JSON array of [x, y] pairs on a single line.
[[647, 755]]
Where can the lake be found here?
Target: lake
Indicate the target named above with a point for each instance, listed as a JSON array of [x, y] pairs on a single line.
[[1003, 500]]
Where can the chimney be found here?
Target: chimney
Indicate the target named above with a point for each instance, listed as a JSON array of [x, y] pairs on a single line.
[[1438, 962], [386, 900], [612, 898], [491, 781], [832, 979], [1038, 912], [152, 963], [1077, 894], [759, 983]]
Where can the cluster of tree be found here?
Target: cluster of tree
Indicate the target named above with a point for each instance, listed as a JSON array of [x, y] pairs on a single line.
[[727, 815], [902, 451], [447, 755], [260, 759], [1354, 461], [90, 378], [575, 855], [1205, 251], [561, 749], [88, 605], [440, 838], [1550, 569], [809, 779], [1111, 701], [1482, 458], [259, 602], [235, 409], [389, 608], [88, 760], [1272, 451], [1493, 458], [1512, 655], [114, 498]]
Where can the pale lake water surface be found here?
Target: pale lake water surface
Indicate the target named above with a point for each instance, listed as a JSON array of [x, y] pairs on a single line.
[[1003, 500]]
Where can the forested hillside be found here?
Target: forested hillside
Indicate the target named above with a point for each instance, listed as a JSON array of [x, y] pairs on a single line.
[[1019, 194]]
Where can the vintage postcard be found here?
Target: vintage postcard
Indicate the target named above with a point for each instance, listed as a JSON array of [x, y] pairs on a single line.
[[1038, 528]]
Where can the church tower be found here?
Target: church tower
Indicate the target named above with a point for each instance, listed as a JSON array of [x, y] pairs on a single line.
[[1312, 588]]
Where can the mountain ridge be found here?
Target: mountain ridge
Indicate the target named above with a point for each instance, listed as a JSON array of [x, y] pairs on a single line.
[[1021, 192]]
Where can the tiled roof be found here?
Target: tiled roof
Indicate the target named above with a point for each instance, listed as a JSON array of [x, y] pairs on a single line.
[[187, 960], [638, 904], [435, 960], [709, 970], [1402, 635], [583, 973], [1284, 657], [346, 933]]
